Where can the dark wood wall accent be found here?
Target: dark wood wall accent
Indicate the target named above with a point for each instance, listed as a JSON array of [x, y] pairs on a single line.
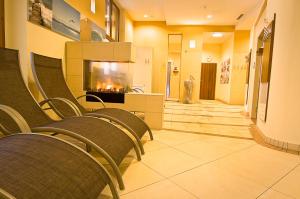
[[208, 81], [2, 28]]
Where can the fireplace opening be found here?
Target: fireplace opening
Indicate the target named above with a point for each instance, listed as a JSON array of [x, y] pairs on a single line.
[[107, 80]]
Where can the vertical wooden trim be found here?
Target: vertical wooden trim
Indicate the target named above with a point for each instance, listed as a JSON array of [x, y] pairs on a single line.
[[273, 24], [2, 25]]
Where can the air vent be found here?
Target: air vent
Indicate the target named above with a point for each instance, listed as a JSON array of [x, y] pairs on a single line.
[[239, 17]]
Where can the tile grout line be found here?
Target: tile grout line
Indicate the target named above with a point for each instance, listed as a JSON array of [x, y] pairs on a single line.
[[277, 181], [204, 115], [216, 124], [209, 134], [209, 162]]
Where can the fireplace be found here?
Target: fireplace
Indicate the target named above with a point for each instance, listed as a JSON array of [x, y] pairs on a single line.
[[107, 80]]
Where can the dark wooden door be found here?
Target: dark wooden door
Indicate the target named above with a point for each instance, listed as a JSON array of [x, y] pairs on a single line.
[[2, 30], [208, 81]]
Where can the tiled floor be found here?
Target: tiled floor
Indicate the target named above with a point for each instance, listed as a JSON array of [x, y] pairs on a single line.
[[209, 155]]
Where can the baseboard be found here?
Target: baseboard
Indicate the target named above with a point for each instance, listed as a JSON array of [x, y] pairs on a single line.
[[281, 145]]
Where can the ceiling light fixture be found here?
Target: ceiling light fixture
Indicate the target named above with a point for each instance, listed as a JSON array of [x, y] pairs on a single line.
[[93, 6], [192, 43], [217, 34], [209, 16], [146, 16]]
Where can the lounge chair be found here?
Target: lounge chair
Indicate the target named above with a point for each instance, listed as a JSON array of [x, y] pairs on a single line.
[[49, 77], [108, 140], [42, 166]]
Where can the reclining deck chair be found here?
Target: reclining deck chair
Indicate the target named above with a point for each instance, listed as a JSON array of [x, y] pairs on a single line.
[[108, 140], [49, 77], [41, 166]]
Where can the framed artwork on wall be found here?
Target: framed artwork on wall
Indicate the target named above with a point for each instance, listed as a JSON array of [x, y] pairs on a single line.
[[55, 15], [225, 72]]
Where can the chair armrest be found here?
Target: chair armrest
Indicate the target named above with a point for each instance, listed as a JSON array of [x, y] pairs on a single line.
[[66, 101], [5, 195], [17, 117], [94, 96]]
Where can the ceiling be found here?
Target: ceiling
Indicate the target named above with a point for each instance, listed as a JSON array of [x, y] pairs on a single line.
[[193, 12], [209, 39]]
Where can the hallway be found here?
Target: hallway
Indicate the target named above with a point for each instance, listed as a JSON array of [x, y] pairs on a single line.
[[183, 162]]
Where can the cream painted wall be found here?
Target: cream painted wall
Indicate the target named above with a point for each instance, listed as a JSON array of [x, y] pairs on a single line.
[[155, 35], [283, 112], [126, 27], [84, 6], [16, 30], [223, 90], [239, 69]]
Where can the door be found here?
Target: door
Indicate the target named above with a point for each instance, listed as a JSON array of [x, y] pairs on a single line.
[[2, 30], [142, 69], [208, 81]]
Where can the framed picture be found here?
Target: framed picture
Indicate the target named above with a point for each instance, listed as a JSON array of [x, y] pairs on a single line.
[[55, 15], [225, 72], [40, 12]]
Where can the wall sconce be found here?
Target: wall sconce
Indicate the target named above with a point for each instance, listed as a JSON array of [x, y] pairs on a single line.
[[93, 6], [192, 43]]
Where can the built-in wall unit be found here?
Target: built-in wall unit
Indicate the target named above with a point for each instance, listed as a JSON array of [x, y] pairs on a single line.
[[107, 70]]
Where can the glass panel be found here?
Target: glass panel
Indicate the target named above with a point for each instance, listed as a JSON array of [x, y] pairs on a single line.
[[107, 76], [173, 66]]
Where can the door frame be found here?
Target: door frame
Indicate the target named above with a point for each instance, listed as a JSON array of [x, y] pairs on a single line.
[[2, 24]]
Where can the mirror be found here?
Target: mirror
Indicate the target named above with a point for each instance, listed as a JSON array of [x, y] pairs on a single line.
[[173, 66]]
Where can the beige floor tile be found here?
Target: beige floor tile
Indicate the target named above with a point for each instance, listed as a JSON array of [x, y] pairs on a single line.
[[174, 138], [290, 184], [169, 161], [160, 190], [233, 143], [211, 182], [259, 164], [271, 194], [204, 151], [153, 145], [137, 175]]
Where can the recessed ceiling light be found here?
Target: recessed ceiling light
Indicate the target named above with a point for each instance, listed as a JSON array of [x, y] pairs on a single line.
[[192, 43], [146, 16], [209, 16], [217, 34]]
